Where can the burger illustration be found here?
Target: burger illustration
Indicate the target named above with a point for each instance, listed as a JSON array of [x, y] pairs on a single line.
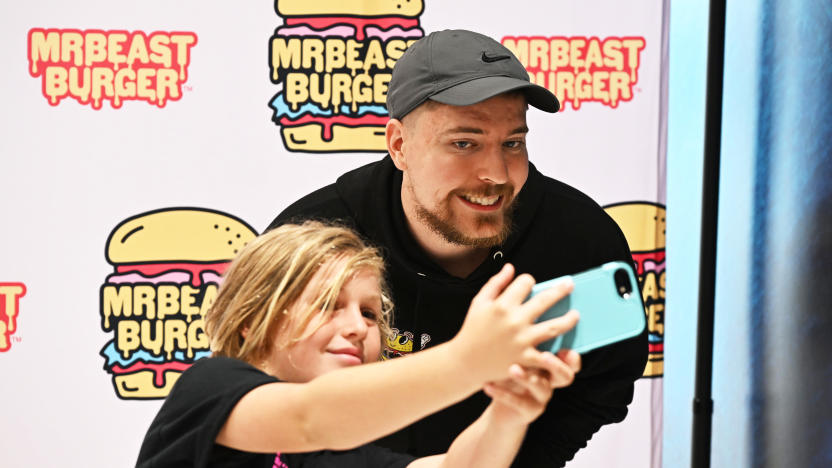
[[644, 225], [398, 344], [167, 269], [334, 59]]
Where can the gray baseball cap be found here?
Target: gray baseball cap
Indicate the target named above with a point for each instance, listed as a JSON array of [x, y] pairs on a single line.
[[459, 68]]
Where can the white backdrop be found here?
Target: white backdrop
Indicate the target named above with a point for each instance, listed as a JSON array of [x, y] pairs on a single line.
[[71, 173]]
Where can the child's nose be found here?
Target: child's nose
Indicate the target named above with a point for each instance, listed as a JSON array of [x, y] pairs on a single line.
[[353, 322]]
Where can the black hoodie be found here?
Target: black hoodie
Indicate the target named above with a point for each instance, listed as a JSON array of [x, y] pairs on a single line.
[[557, 231]]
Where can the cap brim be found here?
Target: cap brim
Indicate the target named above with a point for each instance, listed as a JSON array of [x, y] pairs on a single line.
[[480, 89]]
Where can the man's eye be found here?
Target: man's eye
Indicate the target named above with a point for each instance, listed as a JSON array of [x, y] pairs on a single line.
[[462, 144], [513, 144]]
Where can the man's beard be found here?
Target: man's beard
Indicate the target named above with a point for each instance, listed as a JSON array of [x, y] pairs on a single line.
[[441, 222]]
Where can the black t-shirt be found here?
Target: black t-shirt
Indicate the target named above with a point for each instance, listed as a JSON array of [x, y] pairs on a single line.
[[184, 430]]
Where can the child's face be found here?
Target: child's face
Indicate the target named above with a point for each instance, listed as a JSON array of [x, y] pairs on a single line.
[[351, 337]]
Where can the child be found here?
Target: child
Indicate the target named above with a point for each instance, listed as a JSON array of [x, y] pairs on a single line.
[[299, 309]]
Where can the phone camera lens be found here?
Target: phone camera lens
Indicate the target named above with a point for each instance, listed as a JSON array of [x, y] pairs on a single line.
[[622, 283]]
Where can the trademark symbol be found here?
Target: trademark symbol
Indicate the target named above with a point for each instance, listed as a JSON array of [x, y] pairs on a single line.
[[17, 339], [189, 88], [638, 90]]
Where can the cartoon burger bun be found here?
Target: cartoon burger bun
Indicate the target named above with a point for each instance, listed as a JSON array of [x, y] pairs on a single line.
[[349, 7], [643, 223], [192, 235], [157, 247]]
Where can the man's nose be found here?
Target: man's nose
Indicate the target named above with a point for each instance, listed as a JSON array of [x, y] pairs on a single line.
[[493, 167]]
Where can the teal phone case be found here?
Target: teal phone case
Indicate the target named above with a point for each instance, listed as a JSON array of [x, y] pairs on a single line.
[[606, 316]]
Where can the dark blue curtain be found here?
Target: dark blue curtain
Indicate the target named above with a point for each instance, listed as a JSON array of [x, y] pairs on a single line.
[[791, 314]]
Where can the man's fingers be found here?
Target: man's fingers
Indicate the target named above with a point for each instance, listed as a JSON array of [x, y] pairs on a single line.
[[538, 304], [496, 284], [552, 328]]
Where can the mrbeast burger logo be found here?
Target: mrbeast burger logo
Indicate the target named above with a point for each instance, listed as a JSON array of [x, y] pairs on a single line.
[[581, 69], [167, 268], [92, 66], [333, 59], [10, 294], [643, 224]]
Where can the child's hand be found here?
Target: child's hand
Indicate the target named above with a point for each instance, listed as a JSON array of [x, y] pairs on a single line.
[[523, 396], [567, 364], [500, 329]]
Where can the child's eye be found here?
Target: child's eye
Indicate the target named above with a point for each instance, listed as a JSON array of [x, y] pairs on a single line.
[[369, 314]]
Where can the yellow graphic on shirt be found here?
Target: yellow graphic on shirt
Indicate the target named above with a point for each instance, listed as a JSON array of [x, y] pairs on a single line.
[[401, 343]]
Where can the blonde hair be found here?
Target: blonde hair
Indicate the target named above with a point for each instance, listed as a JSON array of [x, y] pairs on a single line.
[[267, 278]]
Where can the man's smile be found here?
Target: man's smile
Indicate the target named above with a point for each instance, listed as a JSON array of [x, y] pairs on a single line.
[[484, 203]]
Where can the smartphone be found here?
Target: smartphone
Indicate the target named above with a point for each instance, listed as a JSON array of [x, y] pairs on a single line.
[[609, 301]]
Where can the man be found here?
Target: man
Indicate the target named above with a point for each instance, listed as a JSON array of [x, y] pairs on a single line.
[[454, 200]]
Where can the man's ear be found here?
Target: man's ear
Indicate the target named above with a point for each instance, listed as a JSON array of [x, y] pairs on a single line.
[[394, 133]]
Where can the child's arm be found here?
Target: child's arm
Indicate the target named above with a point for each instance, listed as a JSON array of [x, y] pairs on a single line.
[[349, 407], [493, 440]]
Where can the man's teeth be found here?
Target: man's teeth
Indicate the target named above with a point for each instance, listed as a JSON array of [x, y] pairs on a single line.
[[484, 201]]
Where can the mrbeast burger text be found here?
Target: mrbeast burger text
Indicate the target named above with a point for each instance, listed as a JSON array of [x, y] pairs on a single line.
[[168, 265], [10, 294], [91, 66], [334, 60], [579, 69]]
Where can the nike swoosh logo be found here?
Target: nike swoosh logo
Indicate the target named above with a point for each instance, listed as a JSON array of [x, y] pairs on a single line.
[[494, 58]]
